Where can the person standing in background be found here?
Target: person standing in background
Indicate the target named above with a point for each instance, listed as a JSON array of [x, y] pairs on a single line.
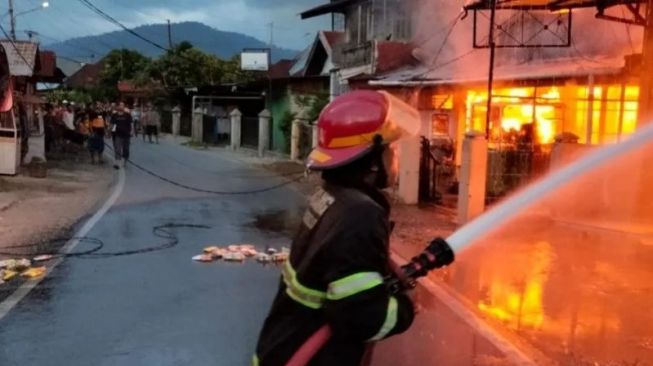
[[152, 123], [137, 120], [68, 117], [121, 128], [96, 137]]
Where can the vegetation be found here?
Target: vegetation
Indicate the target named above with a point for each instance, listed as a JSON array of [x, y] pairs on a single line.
[[313, 104], [76, 96], [182, 66]]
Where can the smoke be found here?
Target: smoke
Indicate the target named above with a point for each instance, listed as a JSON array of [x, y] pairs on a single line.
[[445, 40]]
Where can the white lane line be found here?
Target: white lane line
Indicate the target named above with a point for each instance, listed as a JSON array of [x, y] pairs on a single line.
[[13, 299]]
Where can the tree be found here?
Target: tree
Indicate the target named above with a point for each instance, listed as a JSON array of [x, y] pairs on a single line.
[[185, 66], [123, 64]]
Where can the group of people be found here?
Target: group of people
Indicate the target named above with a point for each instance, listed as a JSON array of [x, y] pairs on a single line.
[[67, 123]]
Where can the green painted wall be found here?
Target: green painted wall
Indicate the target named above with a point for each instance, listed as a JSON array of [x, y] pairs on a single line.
[[279, 106]]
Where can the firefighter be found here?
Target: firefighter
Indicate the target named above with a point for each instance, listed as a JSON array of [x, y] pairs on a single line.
[[340, 256]]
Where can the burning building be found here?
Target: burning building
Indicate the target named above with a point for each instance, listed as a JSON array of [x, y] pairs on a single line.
[[554, 281]]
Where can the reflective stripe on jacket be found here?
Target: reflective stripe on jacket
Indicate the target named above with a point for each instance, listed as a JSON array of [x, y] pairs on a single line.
[[335, 275]]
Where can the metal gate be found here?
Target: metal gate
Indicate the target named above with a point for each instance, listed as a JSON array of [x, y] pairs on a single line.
[[249, 131], [510, 168], [436, 172], [209, 125]]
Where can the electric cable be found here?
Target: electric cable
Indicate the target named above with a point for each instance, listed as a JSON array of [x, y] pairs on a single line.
[[222, 172], [160, 231], [97, 245], [210, 191], [15, 47]]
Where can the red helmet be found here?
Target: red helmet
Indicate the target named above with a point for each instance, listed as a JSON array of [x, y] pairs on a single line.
[[348, 125]]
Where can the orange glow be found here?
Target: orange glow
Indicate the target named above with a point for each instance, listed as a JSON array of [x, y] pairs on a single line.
[[515, 107], [514, 294]]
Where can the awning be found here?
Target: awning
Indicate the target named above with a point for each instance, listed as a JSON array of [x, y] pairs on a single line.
[[333, 7], [547, 4]]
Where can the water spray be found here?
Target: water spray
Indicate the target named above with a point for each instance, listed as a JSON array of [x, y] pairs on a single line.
[[440, 252]]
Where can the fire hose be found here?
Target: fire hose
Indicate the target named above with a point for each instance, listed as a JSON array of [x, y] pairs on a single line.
[[437, 254]]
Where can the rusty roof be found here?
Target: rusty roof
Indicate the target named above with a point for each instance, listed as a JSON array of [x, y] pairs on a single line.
[[88, 75], [281, 69], [21, 56], [48, 61]]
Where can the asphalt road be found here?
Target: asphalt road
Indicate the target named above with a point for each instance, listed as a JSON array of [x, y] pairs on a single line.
[[160, 308]]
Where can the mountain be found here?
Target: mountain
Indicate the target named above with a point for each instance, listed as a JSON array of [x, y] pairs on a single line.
[[210, 40]]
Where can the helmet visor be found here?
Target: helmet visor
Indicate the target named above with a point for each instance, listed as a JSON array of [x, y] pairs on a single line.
[[402, 120]]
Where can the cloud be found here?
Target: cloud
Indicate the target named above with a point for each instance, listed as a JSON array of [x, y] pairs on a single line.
[[251, 17]]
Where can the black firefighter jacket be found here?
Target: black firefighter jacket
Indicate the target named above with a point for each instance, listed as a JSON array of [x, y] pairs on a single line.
[[338, 262]]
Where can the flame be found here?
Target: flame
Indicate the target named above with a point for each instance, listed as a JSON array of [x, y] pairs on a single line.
[[518, 108]]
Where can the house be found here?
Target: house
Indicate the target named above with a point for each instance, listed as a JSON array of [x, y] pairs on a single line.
[[377, 37], [26, 71], [589, 91], [134, 94], [87, 76], [296, 83]]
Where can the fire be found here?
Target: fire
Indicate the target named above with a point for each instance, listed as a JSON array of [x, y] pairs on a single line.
[[513, 108]]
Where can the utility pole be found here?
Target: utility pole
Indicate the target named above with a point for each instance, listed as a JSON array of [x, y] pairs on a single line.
[[13, 19], [271, 25], [490, 81], [646, 76], [170, 45]]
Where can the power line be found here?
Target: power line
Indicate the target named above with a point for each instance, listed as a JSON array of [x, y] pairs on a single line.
[[15, 47], [111, 19], [210, 191]]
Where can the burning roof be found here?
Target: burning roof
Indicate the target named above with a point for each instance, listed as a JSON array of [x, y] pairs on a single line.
[[548, 4], [457, 73]]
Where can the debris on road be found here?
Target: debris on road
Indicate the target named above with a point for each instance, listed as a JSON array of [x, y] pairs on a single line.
[[240, 252], [8, 274], [234, 257], [15, 264], [263, 258], [42, 258], [204, 258], [11, 268], [34, 272]]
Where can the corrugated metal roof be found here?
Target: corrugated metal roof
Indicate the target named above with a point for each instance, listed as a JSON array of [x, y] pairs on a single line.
[[549, 4], [21, 56], [469, 73]]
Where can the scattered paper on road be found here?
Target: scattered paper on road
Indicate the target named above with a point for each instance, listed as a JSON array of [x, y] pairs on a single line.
[[8, 274], [240, 252], [34, 272]]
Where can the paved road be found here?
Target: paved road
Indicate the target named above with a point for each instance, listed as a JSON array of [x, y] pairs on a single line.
[[160, 308]]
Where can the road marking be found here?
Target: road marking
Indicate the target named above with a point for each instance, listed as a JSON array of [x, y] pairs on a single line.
[[25, 288]]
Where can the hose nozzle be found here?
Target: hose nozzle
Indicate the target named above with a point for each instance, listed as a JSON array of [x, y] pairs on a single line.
[[436, 255]]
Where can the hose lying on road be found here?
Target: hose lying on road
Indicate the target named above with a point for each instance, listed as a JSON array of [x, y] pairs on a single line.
[[161, 231], [210, 191]]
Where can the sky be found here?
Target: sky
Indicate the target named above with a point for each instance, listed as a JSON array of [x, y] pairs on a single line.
[[65, 19]]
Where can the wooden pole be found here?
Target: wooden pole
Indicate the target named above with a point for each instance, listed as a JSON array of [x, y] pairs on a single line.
[[646, 80], [490, 80]]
